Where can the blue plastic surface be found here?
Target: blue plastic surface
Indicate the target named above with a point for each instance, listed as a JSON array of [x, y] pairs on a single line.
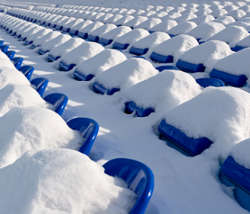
[[190, 67], [187, 145], [138, 51], [58, 101], [11, 54], [51, 58], [42, 52], [161, 58], [82, 35], [17, 61], [131, 107], [238, 48], [26, 43], [4, 48], [82, 77], [206, 82], [93, 38], [65, 67], [105, 42], [73, 32], [89, 131], [120, 46], [229, 79], [40, 84], [234, 174], [99, 88], [138, 177], [27, 70], [166, 67]]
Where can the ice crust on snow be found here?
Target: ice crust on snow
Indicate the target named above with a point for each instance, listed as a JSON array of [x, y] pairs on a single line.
[[61, 181]]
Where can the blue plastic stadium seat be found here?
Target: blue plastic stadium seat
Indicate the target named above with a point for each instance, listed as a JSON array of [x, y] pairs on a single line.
[[131, 107], [4, 48], [180, 141], [27, 70], [1, 42], [83, 35], [58, 101], [166, 67], [238, 48], [33, 46], [73, 32], [40, 51], [138, 51], [206, 82], [100, 89], [65, 67], [17, 61], [190, 67], [105, 42], [58, 27], [229, 79], [40, 85], [138, 177], [11, 54], [26, 43], [65, 30], [120, 46], [93, 38], [89, 131], [161, 58], [82, 77], [234, 174], [51, 58]]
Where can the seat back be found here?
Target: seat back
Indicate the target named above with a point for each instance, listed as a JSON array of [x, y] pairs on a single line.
[[27, 70], [138, 177], [40, 85], [58, 101], [89, 130]]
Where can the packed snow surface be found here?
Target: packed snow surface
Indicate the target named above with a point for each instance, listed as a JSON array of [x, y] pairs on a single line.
[[240, 153], [61, 181]]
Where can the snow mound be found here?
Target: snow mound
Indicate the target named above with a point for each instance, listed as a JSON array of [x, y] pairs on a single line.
[[126, 74], [61, 181], [33, 129], [66, 47], [207, 53], [13, 76], [183, 27], [240, 153], [103, 29], [164, 91], [221, 114], [225, 20], [164, 26], [176, 46], [206, 30], [57, 40], [19, 96], [149, 24], [83, 52], [237, 63], [117, 32], [132, 36], [101, 62], [231, 35], [152, 40]]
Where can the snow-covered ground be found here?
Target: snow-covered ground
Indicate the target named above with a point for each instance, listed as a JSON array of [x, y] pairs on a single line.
[[183, 184]]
